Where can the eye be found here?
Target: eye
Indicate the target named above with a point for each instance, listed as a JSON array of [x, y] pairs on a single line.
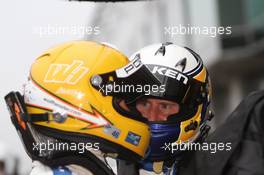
[[165, 108], [143, 103], [168, 109]]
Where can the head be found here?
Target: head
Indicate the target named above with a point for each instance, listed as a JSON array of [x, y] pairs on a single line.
[[179, 109], [64, 100]]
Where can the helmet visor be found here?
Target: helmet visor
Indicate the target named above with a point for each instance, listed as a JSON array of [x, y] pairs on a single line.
[[130, 82]]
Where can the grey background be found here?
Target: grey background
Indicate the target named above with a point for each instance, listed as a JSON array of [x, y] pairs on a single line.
[[235, 61]]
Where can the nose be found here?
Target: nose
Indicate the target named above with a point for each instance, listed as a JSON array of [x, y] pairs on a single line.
[[154, 114]]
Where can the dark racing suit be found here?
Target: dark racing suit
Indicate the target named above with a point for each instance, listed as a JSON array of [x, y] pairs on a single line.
[[244, 129]]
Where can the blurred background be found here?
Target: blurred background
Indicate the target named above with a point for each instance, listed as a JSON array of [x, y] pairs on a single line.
[[228, 35]]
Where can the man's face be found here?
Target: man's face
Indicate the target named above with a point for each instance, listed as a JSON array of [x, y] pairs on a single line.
[[156, 109]]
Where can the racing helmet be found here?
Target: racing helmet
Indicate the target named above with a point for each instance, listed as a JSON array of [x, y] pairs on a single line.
[[186, 80], [64, 100]]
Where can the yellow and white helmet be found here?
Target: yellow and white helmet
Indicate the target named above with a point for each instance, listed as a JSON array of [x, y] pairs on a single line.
[[63, 100], [186, 80]]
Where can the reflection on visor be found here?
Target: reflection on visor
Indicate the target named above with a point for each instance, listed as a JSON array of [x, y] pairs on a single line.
[[135, 80], [192, 92], [178, 86], [129, 82]]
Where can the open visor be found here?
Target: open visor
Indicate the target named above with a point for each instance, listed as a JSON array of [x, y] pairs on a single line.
[[130, 82], [136, 80], [192, 92]]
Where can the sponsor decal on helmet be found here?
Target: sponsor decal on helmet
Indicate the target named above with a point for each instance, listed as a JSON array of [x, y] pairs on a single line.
[[130, 68], [40, 98], [112, 130], [72, 92], [170, 73], [133, 138], [66, 73]]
